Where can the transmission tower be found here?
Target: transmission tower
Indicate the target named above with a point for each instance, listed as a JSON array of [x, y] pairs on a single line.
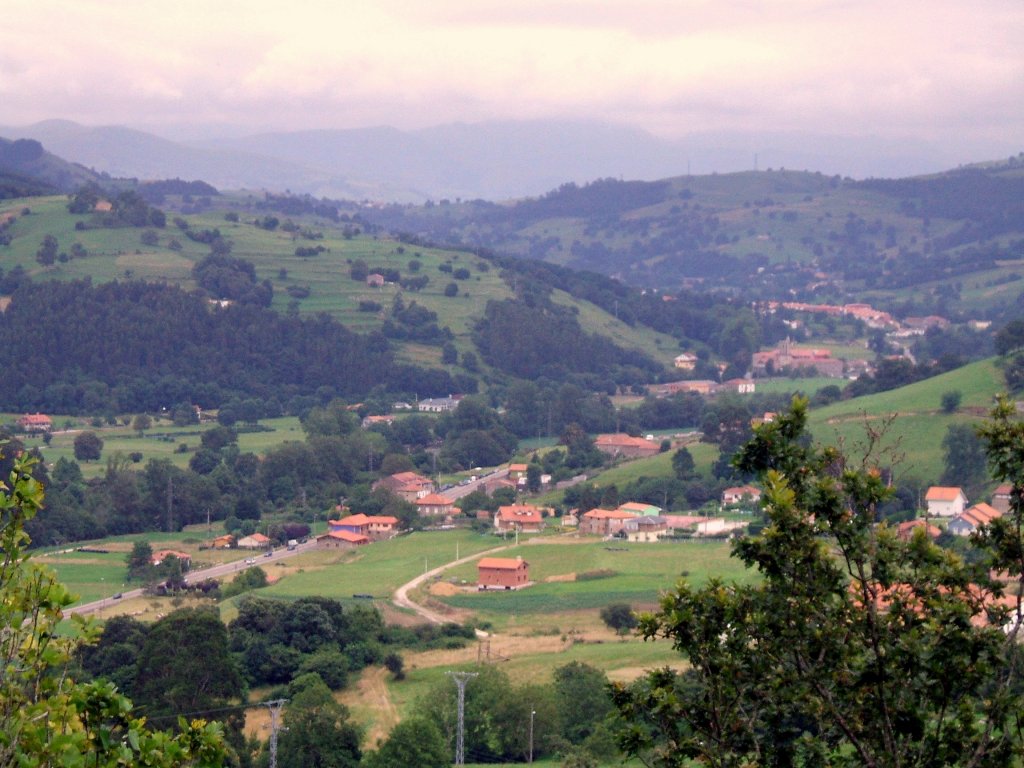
[[275, 710], [461, 678]]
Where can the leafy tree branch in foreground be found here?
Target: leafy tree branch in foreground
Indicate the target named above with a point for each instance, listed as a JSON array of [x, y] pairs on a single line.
[[46, 718], [854, 647]]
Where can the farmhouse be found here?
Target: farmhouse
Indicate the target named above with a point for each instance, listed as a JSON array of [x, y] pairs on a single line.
[[639, 508], [620, 444], [256, 541], [945, 501], [741, 494], [408, 485], [223, 542], [524, 518], [604, 522], [697, 386], [435, 505], [341, 540], [502, 573], [35, 422], [374, 527], [970, 520], [375, 280], [183, 557], [646, 528], [439, 404]]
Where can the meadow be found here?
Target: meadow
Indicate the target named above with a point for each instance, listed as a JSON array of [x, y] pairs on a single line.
[[919, 424]]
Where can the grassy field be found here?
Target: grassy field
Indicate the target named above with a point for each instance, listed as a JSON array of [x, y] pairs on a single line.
[[162, 441], [633, 573], [920, 424]]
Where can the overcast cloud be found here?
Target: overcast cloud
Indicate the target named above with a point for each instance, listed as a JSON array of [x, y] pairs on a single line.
[[941, 70]]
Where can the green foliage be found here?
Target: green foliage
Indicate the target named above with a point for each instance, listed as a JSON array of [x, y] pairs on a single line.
[[46, 717], [318, 733], [413, 742], [855, 648], [965, 457], [951, 400], [247, 580], [619, 616], [88, 446]]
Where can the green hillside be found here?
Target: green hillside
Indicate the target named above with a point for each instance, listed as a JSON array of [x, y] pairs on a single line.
[[919, 425], [949, 242], [305, 284]]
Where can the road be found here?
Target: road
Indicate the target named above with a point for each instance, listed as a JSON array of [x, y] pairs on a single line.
[[458, 491], [213, 572], [401, 597]]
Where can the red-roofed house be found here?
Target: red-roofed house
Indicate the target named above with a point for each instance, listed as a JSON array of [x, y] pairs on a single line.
[[905, 530], [183, 557], [255, 541], [35, 422], [623, 445], [524, 518], [739, 494], [944, 501], [409, 485], [375, 527], [604, 522], [341, 540], [435, 505], [502, 573], [970, 520]]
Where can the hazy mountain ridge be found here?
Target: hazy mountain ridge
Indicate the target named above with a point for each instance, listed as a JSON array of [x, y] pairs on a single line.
[[493, 161]]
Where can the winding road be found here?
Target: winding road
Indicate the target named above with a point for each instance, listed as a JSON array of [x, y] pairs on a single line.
[[401, 596]]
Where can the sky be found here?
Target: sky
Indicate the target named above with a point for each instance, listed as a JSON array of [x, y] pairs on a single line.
[[937, 70]]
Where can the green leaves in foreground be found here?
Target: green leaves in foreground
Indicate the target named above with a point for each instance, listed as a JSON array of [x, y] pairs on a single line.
[[46, 718], [855, 648]]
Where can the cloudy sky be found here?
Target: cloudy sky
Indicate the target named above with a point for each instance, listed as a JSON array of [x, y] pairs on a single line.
[[939, 70]]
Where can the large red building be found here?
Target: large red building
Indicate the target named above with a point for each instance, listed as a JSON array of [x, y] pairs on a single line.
[[502, 573]]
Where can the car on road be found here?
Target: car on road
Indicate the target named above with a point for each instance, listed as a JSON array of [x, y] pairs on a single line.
[[118, 595], [250, 560], [269, 553]]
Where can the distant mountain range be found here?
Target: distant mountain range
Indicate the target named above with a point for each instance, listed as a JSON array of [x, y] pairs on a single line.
[[491, 161]]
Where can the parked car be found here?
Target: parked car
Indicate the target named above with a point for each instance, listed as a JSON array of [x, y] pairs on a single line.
[[269, 553], [250, 560]]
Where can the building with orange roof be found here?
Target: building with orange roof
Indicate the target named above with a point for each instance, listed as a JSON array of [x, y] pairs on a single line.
[[409, 485], [502, 573], [945, 501], [183, 557], [620, 444], [604, 522], [341, 540], [970, 520], [375, 527], [1001, 497], [524, 518], [435, 505], [35, 422]]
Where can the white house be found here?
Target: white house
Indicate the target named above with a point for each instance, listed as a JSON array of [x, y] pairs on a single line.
[[944, 501]]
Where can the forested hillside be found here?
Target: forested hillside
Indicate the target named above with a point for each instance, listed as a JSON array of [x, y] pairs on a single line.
[[950, 242]]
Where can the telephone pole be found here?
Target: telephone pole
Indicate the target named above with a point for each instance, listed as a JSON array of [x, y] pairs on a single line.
[[275, 710], [461, 678]]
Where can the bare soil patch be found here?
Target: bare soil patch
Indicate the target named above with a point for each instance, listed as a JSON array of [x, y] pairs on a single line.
[[444, 589], [559, 577], [371, 693]]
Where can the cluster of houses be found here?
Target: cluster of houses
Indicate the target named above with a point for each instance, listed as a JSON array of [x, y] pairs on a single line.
[[638, 522]]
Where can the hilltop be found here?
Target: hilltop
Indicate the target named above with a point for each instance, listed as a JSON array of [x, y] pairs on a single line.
[[950, 243]]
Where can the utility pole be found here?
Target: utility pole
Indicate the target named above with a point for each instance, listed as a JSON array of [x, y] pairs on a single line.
[[170, 501], [533, 712], [461, 678], [275, 710]]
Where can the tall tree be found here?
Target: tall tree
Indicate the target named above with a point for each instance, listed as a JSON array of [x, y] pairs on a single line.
[[319, 733], [854, 648]]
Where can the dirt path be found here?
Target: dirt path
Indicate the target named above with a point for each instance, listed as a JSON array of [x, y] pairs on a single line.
[[401, 597], [373, 693]]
